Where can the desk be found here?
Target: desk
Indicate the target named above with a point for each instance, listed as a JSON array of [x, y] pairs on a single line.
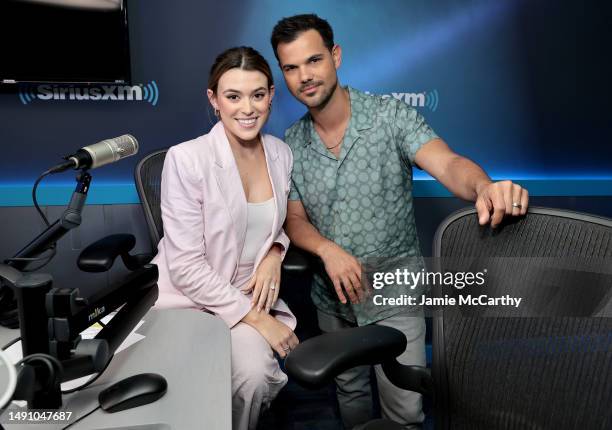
[[191, 349]]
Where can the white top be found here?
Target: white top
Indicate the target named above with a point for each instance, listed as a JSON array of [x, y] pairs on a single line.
[[259, 226]]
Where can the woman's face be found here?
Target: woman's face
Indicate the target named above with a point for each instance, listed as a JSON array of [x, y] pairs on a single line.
[[243, 100]]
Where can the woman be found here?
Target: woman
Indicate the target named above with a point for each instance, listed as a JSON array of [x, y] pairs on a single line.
[[223, 201]]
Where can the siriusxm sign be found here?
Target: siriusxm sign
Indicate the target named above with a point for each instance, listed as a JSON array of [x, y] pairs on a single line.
[[141, 92], [428, 99]]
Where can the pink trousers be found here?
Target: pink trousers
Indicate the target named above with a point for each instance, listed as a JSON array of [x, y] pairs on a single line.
[[256, 376]]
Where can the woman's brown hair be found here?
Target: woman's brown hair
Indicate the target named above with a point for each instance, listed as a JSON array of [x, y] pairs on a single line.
[[242, 57]]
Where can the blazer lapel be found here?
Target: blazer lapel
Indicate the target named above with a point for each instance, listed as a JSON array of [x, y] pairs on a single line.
[[228, 179]]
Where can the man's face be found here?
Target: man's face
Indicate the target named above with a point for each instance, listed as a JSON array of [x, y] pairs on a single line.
[[309, 68]]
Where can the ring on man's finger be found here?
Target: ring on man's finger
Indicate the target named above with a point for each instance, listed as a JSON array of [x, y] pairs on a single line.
[[517, 205], [273, 287]]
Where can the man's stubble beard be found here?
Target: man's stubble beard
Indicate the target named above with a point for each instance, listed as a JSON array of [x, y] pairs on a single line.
[[326, 97]]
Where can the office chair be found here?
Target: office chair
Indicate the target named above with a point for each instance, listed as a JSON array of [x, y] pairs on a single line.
[[100, 255], [502, 371], [147, 176]]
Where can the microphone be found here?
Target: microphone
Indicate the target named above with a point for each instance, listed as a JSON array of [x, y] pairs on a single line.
[[99, 154]]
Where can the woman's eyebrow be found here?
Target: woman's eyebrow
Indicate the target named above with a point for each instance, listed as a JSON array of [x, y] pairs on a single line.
[[230, 90]]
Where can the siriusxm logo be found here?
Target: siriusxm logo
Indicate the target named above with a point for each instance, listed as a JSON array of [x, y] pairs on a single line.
[[428, 99], [141, 92]]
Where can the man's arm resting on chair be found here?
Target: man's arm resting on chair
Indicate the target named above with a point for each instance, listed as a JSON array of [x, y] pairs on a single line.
[[466, 180], [343, 269]]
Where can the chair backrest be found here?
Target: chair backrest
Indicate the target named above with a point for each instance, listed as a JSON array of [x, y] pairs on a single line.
[[148, 184], [523, 372]]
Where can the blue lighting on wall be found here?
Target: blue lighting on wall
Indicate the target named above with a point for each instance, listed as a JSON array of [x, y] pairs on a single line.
[[58, 194]]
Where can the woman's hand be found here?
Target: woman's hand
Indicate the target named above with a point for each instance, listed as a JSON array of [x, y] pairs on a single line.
[[280, 337], [265, 282]]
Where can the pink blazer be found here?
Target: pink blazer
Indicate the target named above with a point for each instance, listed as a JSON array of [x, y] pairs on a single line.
[[204, 211]]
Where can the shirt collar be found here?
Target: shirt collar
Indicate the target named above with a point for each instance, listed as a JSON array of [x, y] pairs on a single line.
[[356, 123]]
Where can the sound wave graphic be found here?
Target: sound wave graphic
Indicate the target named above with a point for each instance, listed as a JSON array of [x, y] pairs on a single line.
[[27, 94], [151, 93], [48, 92], [431, 100]]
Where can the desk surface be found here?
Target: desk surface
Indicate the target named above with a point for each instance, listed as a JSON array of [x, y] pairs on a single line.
[[191, 349]]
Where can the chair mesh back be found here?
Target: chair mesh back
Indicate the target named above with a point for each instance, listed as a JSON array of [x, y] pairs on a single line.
[[524, 373], [148, 184]]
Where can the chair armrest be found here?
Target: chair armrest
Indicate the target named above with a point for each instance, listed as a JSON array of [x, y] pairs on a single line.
[[316, 361], [100, 255], [413, 378], [296, 261]]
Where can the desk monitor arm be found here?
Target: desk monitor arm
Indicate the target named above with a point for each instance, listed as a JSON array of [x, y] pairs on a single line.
[[52, 318]]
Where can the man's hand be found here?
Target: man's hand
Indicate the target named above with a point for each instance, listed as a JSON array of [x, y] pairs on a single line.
[[498, 199], [344, 270], [466, 180]]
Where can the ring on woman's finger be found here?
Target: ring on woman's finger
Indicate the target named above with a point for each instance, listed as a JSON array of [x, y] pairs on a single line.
[[273, 287]]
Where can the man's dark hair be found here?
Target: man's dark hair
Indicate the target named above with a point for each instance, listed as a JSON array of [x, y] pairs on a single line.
[[288, 29]]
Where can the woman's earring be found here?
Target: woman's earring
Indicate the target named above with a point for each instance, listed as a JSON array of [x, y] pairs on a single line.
[[270, 107], [217, 113]]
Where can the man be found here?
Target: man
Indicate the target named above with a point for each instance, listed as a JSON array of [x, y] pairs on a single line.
[[351, 199]]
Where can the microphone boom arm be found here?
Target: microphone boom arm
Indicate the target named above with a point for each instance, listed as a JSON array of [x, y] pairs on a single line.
[[71, 218]]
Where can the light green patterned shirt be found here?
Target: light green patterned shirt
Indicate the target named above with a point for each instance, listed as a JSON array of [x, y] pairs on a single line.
[[363, 200]]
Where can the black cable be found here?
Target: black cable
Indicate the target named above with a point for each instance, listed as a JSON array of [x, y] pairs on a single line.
[[51, 363], [84, 416], [92, 380], [51, 358], [11, 343], [40, 212]]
